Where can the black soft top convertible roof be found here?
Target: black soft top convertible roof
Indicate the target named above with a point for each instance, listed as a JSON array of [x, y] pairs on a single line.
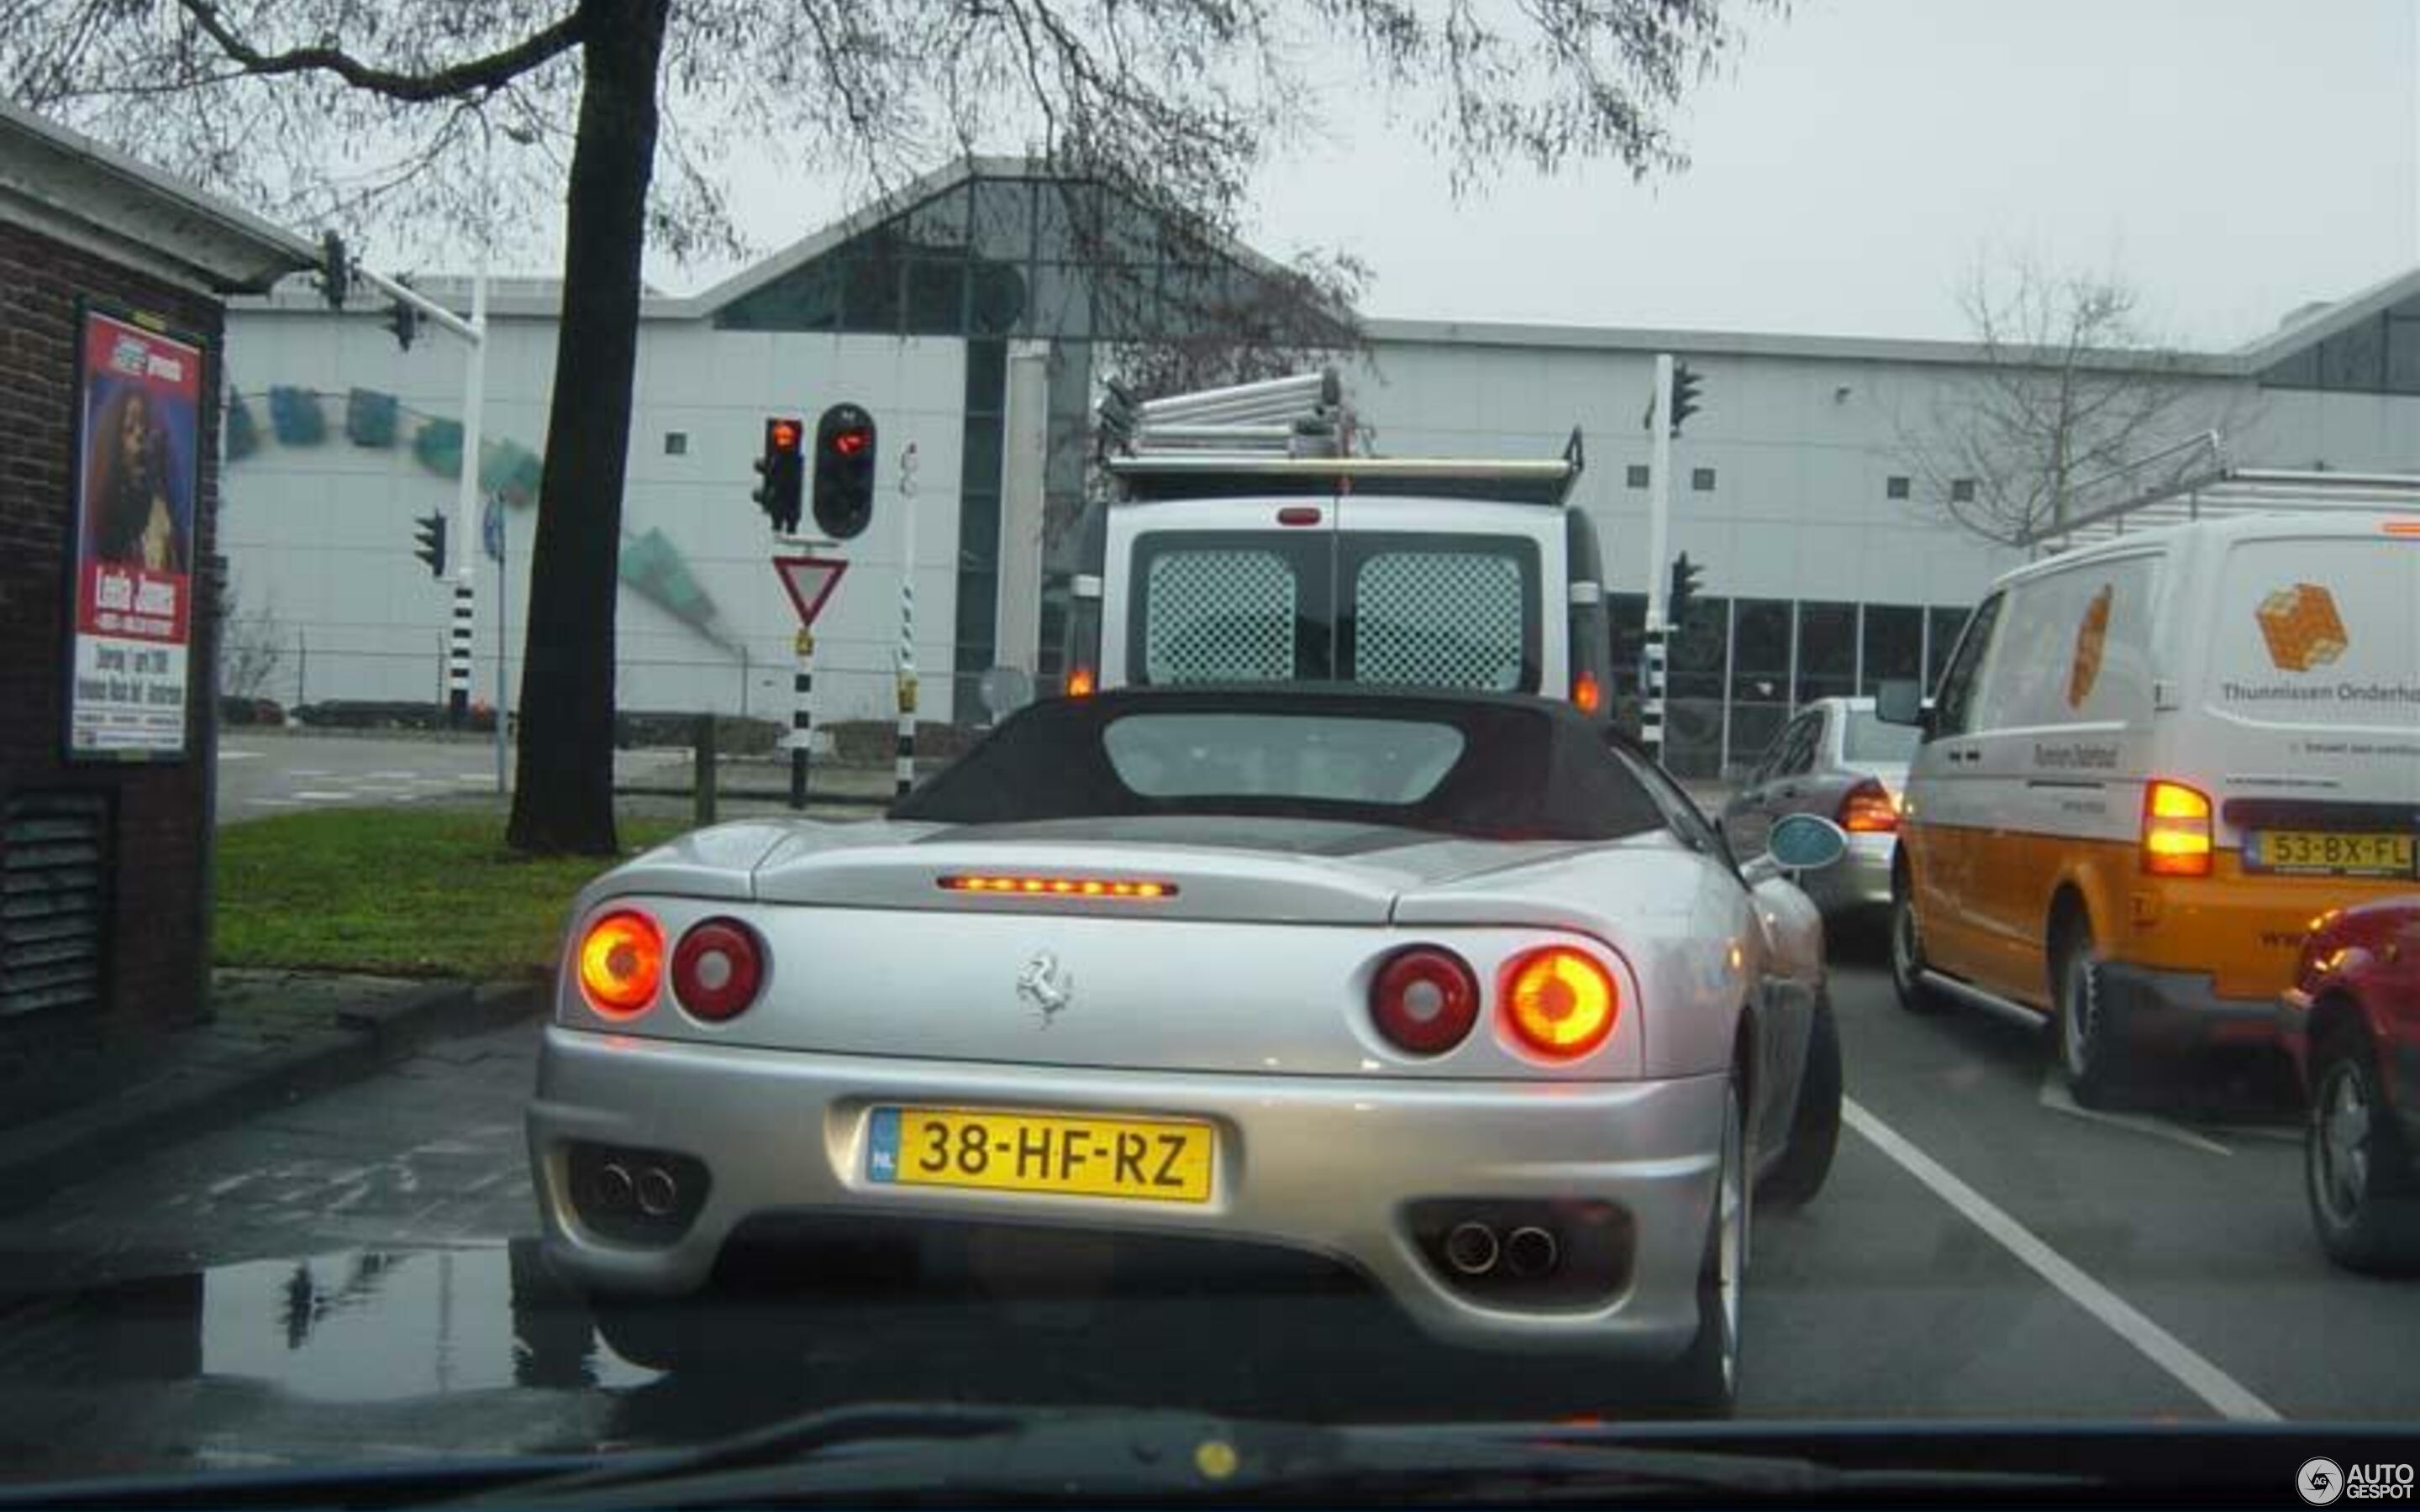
[[1530, 768]]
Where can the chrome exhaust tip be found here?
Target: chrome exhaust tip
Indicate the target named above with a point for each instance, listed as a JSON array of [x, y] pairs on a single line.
[[1532, 1251], [612, 1186], [1471, 1248], [657, 1191]]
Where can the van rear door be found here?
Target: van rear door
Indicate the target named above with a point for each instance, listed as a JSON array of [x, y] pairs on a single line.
[[1447, 592], [2312, 686], [1219, 591]]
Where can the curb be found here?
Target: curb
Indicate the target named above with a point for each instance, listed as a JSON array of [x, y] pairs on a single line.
[[40, 1158]]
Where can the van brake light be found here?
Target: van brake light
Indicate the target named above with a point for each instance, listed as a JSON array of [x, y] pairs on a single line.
[[2176, 830]]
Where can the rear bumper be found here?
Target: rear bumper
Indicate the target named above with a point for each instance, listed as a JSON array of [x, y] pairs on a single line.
[[2176, 1010], [1858, 883], [1317, 1166]]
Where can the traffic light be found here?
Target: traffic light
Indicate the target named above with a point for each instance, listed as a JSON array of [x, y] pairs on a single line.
[[1685, 579], [432, 544], [1685, 394], [335, 269], [403, 320], [780, 471], [844, 471]]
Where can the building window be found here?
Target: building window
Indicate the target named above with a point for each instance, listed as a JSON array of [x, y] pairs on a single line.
[[1962, 490], [1895, 487], [1637, 478], [676, 443], [1702, 479]]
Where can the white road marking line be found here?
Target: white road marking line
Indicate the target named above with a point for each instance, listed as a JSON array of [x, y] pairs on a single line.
[[2056, 1097], [309, 771], [269, 803], [226, 755], [324, 797], [393, 776], [2228, 1397]]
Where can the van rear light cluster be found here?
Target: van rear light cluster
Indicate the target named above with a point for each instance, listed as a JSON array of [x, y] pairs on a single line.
[[716, 970], [1424, 1000], [2176, 840], [1586, 695], [1869, 809], [1558, 1002]]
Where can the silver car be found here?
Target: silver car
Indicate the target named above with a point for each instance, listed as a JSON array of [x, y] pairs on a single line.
[[1456, 992], [1835, 759]]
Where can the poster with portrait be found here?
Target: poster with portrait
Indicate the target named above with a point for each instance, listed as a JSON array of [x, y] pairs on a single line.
[[138, 474]]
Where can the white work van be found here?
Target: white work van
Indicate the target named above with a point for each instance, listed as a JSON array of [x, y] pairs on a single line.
[[1219, 564], [2149, 764]]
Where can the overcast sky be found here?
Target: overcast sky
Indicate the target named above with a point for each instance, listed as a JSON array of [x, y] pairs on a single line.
[[2230, 158]]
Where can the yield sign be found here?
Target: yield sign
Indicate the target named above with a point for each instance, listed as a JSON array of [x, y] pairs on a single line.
[[809, 581]]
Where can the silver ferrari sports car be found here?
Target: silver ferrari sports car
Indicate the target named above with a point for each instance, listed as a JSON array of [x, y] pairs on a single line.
[[1459, 993]]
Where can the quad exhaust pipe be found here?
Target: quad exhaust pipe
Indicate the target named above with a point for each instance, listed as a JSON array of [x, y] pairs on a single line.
[[1526, 1254]]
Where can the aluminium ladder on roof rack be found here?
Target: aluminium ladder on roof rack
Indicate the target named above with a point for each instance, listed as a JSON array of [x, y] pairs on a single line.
[[1296, 436], [2210, 488]]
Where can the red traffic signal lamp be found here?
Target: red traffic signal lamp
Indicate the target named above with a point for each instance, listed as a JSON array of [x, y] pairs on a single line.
[[845, 452], [780, 471]]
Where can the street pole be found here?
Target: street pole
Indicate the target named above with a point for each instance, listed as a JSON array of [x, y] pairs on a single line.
[[466, 504], [802, 719], [503, 706], [1659, 510], [903, 765]]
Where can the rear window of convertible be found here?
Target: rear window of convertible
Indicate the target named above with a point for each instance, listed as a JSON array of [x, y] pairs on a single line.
[[1507, 769]]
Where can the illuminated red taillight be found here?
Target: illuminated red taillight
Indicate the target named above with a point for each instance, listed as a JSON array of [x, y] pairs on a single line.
[[716, 968], [1869, 809], [620, 962], [1134, 887], [1424, 1000], [1586, 696], [1560, 1002], [2176, 830], [1080, 683]]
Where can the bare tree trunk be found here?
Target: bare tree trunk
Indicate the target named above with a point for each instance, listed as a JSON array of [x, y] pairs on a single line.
[[563, 797]]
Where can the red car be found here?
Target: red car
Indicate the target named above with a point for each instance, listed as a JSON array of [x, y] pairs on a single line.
[[2351, 1022]]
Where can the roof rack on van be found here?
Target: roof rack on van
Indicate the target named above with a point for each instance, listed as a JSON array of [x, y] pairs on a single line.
[[1296, 436], [2195, 482]]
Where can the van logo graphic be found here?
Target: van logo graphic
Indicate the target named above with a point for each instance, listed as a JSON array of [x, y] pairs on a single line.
[[2302, 628], [2091, 634]]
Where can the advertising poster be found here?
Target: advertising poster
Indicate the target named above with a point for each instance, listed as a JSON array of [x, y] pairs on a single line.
[[138, 470]]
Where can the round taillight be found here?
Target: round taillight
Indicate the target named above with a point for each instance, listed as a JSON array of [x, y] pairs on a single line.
[[1560, 1002], [620, 962], [1424, 1000], [716, 970]]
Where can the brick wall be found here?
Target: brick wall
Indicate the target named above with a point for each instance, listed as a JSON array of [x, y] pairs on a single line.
[[158, 934]]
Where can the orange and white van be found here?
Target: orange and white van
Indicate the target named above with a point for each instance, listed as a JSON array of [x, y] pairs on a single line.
[[2148, 765]]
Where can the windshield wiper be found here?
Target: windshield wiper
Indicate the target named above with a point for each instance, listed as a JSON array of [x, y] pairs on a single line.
[[871, 1454]]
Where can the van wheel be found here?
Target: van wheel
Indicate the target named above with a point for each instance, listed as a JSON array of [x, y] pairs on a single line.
[[1907, 950], [2089, 1050], [1815, 1127], [2354, 1166]]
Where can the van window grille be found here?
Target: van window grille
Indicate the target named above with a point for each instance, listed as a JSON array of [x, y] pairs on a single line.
[[1220, 615], [1438, 619]]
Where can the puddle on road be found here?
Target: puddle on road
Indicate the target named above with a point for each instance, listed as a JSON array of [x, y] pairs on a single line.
[[363, 1326]]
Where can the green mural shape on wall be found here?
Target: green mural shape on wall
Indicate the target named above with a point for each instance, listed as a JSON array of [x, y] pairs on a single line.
[[369, 418], [510, 471], [652, 568], [439, 447], [294, 414], [242, 431]]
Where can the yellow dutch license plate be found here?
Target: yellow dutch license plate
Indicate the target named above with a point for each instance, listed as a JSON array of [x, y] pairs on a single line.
[[1148, 1160], [2334, 855]]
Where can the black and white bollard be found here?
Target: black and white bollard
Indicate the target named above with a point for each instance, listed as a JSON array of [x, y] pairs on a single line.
[[802, 719]]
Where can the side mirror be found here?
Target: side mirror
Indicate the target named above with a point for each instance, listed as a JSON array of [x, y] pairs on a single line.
[[1798, 843], [1900, 701]]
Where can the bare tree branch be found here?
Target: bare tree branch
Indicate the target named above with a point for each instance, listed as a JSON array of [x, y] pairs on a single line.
[[492, 72]]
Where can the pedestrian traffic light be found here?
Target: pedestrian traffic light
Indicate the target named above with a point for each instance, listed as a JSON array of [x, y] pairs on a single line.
[[432, 544], [780, 471], [844, 471], [1685, 394], [1685, 579], [403, 320]]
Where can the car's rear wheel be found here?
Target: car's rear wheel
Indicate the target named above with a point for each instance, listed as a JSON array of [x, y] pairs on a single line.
[[1907, 949], [2090, 1048], [1815, 1126], [1704, 1383], [2354, 1166]]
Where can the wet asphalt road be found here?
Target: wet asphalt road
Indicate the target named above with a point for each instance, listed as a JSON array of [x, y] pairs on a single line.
[[353, 1276]]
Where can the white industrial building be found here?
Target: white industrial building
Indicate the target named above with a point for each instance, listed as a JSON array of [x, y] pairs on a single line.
[[961, 315]]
